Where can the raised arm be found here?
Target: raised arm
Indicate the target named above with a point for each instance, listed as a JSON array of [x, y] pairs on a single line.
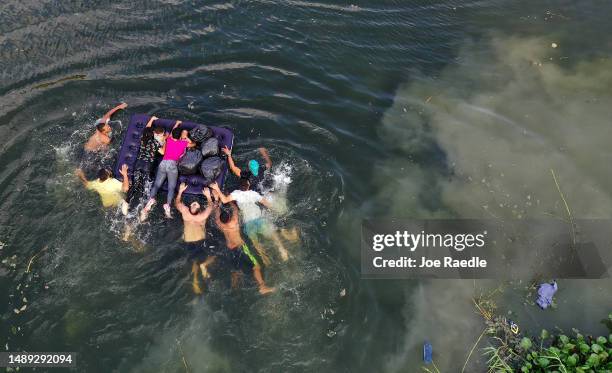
[[222, 197], [235, 170], [114, 110], [206, 193], [178, 123], [178, 201], [125, 184], [151, 120], [266, 157]]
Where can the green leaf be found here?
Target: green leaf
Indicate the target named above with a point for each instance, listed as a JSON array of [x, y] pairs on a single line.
[[596, 348], [572, 360], [569, 347], [543, 362], [602, 340], [526, 343], [584, 348], [593, 360], [564, 339], [544, 334], [554, 350]]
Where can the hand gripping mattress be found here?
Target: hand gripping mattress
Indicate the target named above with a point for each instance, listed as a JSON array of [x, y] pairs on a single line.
[[131, 145]]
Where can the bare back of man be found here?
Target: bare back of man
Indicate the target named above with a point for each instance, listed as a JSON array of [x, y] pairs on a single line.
[[194, 226], [100, 140], [239, 254], [194, 234]]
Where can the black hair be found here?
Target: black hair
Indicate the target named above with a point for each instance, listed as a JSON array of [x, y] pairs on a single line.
[[197, 210], [244, 184], [176, 133], [158, 129], [104, 174], [225, 216], [100, 126], [147, 135]]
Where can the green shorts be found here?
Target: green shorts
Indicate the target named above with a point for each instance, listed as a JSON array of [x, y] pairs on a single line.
[[242, 258]]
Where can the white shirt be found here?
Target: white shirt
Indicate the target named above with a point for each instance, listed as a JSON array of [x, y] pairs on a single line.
[[247, 203]]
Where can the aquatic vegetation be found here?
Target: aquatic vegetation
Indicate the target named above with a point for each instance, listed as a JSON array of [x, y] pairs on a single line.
[[553, 353]]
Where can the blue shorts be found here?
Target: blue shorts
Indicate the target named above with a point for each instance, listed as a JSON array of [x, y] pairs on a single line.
[[255, 227]]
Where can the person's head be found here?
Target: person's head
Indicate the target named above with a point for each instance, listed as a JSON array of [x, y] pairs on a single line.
[[254, 167], [225, 216], [194, 208], [147, 134], [104, 174], [244, 184], [176, 133], [103, 127], [192, 144], [158, 133]]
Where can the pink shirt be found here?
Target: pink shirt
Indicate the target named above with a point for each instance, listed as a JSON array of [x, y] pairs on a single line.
[[174, 149]]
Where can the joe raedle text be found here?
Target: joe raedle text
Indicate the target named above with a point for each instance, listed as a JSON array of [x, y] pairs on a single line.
[[423, 254], [423, 262]]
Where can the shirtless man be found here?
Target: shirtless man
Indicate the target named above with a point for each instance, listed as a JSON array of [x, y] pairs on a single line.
[[101, 138], [254, 221], [239, 254], [194, 235]]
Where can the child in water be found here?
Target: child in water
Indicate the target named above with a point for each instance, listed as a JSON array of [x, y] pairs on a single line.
[[173, 150]]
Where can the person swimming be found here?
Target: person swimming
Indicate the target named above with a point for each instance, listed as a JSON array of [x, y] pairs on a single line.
[[255, 223], [100, 140], [111, 190], [239, 255], [95, 149], [255, 173], [194, 235], [173, 150]]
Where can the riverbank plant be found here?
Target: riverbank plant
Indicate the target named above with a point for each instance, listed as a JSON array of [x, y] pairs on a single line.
[[548, 353]]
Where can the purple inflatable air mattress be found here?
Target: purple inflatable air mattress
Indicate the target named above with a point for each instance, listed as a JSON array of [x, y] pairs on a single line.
[[131, 145]]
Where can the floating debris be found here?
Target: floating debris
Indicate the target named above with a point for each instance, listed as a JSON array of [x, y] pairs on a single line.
[[546, 292], [554, 45], [61, 80], [342, 293]]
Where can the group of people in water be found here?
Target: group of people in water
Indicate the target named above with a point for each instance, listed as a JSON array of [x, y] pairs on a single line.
[[242, 208]]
